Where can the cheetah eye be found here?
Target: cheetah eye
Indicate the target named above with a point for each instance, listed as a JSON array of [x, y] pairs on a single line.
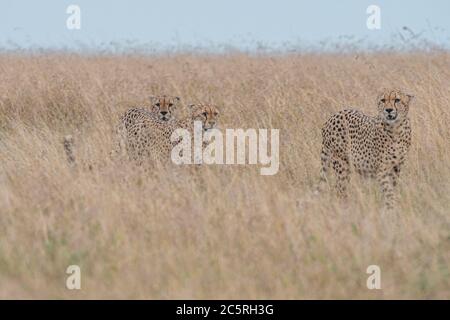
[[205, 114], [157, 104], [216, 114], [170, 105], [383, 100], [397, 100]]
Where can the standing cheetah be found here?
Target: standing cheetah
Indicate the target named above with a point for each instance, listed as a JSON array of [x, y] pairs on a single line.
[[149, 139], [161, 112], [372, 146]]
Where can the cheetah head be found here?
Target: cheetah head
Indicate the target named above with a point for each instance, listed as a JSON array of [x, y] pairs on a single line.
[[393, 105], [164, 106], [208, 114]]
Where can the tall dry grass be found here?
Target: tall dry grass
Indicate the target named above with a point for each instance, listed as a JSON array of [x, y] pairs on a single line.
[[216, 231]]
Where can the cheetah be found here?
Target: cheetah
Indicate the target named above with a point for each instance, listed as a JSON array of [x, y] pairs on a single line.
[[372, 146], [161, 112], [149, 139]]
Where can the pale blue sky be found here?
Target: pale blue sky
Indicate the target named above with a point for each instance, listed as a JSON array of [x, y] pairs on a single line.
[[241, 23]]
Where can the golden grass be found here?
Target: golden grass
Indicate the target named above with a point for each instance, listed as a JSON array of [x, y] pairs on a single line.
[[216, 231]]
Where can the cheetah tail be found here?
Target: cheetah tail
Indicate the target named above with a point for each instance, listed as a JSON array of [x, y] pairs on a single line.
[[119, 145], [68, 144], [325, 165]]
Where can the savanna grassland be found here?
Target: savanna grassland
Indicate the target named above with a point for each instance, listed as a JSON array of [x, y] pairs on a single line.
[[216, 231]]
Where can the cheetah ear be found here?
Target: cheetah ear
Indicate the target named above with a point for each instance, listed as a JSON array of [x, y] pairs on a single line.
[[177, 98], [379, 96], [410, 98], [192, 107]]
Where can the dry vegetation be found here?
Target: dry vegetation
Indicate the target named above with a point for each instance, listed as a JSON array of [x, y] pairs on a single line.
[[223, 231]]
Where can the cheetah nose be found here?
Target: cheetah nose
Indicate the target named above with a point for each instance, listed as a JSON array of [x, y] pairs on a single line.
[[389, 110], [164, 113]]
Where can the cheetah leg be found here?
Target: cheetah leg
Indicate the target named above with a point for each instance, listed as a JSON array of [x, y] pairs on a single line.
[[387, 182], [341, 168], [396, 174]]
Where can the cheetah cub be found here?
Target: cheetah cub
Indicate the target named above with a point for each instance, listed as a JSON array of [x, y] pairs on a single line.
[[372, 146]]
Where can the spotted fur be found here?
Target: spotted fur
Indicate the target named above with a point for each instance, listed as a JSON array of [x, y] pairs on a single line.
[[161, 112], [149, 139], [372, 146]]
